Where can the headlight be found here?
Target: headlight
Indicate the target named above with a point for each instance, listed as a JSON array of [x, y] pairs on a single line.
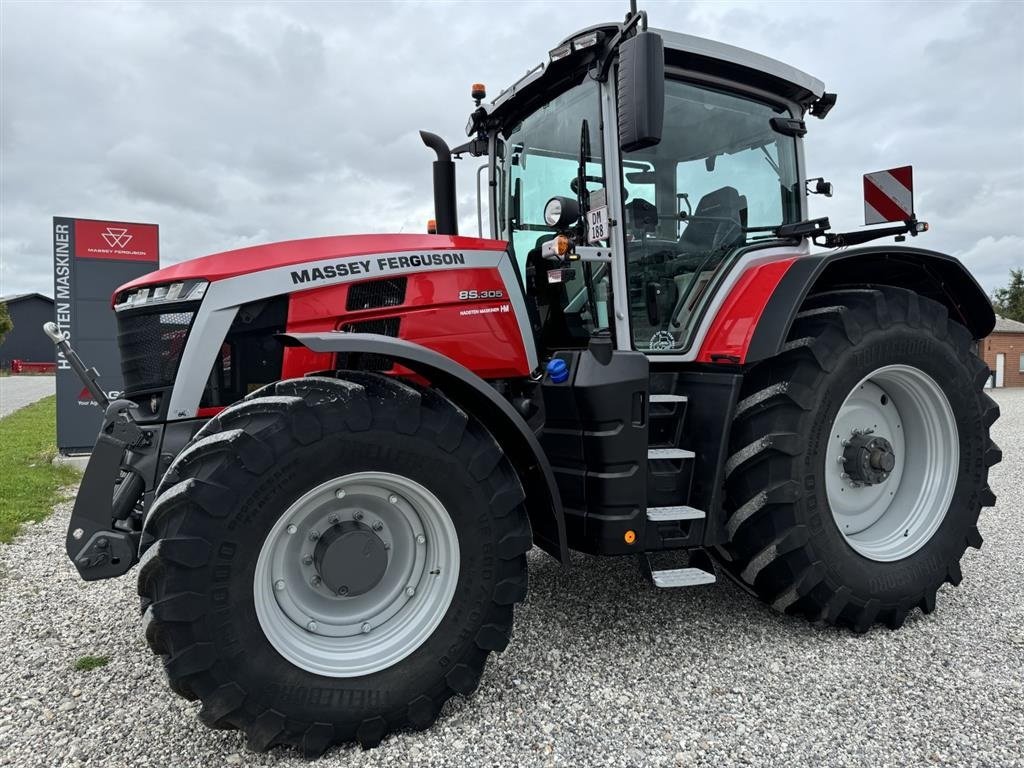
[[561, 212], [565, 49], [587, 40], [553, 212], [187, 290]]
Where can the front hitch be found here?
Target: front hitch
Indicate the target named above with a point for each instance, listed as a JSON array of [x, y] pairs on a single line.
[[110, 488], [98, 549]]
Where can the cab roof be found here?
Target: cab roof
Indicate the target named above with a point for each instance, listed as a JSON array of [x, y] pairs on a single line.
[[750, 66], [691, 53]]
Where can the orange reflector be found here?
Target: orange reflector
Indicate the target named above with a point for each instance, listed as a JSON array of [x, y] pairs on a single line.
[[561, 245], [629, 537]]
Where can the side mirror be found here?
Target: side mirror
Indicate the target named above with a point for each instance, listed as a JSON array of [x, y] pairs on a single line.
[[641, 91]]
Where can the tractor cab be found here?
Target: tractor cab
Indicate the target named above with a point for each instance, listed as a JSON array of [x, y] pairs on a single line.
[[664, 161]]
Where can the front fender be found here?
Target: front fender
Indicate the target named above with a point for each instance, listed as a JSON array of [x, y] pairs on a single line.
[[477, 397], [937, 276]]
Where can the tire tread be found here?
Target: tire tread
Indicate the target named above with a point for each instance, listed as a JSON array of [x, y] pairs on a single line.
[[252, 433], [770, 552]]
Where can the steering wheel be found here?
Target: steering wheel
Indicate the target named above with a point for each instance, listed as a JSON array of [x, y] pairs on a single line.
[[575, 186]]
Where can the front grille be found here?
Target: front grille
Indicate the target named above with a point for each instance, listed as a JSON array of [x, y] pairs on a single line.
[[151, 345], [387, 326], [389, 292]]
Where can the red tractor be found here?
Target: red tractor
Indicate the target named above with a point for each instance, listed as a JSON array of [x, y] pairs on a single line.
[[332, 455]]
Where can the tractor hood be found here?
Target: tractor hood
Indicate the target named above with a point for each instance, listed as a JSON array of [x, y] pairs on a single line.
[[221, 266]]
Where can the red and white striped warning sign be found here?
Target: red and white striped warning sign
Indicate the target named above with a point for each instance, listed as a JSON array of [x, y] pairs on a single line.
[[889, 195]]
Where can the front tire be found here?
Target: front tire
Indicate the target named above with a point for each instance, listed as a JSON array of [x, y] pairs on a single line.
[[859, 460], [248, 590]]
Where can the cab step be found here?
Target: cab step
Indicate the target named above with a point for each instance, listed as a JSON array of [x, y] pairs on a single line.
[[669, 514], [681, 577], [668, 398], [660, 454], [700, 570]]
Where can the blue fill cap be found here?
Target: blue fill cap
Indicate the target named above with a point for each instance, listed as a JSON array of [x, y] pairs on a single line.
[[558, 371]]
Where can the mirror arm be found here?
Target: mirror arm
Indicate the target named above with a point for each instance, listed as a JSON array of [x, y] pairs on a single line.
[[600, 72], [911, 227]]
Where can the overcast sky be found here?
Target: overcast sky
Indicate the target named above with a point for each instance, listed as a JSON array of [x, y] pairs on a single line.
[[232, 124]]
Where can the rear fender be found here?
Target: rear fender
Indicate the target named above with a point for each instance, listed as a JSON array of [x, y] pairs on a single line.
[[934, 275], [478, 398]]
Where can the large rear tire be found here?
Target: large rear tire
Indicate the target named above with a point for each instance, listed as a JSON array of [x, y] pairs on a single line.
[[249, 589], [859, 460]]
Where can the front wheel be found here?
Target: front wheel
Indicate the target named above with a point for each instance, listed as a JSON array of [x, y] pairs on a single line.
[[332, 560], [859, 460]]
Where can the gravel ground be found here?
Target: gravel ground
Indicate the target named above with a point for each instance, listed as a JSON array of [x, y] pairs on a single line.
[[603, 671], [18, 391]]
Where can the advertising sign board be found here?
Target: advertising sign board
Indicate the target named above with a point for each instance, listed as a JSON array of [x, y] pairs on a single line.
[[90, 260]]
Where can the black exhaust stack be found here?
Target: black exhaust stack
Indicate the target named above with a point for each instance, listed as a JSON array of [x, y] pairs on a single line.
[[444, 185]]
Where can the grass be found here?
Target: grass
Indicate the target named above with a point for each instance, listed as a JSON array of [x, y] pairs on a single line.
[[89, 663], [29, 482]]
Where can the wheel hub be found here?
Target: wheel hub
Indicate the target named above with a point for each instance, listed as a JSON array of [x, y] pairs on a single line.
[[356, 574], [868, 459], [350, 558], [892, 462]]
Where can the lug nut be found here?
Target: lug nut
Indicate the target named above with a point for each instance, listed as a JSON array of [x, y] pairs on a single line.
[[315, 581], [314, 535], [366, 627], [340, 494], [342, 590], [358, 514], [292, 530], [393, 499], [410, 591], [311, 626], [333, 519], [307, 560], [421, 539], [77, 534], [378, 525], [279, 584]]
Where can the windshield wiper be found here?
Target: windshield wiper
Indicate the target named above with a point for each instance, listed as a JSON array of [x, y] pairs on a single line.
[[583, 200], [583, 157]]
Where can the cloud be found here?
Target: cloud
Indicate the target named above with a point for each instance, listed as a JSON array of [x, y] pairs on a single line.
[[990, 259], [231, 124]]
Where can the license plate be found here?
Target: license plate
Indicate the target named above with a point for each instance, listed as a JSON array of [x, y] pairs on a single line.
[[597, 224]]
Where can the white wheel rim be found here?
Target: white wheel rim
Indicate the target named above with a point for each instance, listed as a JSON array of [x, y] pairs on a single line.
[[892, 518], [338, 635]]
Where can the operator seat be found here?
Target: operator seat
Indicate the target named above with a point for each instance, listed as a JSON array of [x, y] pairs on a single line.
[[718, 221]]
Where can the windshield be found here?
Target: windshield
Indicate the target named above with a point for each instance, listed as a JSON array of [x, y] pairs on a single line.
[[720, 179], [540, 159]]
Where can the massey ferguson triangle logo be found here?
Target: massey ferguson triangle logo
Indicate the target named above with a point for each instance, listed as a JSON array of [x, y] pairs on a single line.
[[117, 237], [85, 396]]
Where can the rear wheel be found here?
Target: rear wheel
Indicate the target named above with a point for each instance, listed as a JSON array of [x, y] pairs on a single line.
[[333, 559], [859, 460]]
